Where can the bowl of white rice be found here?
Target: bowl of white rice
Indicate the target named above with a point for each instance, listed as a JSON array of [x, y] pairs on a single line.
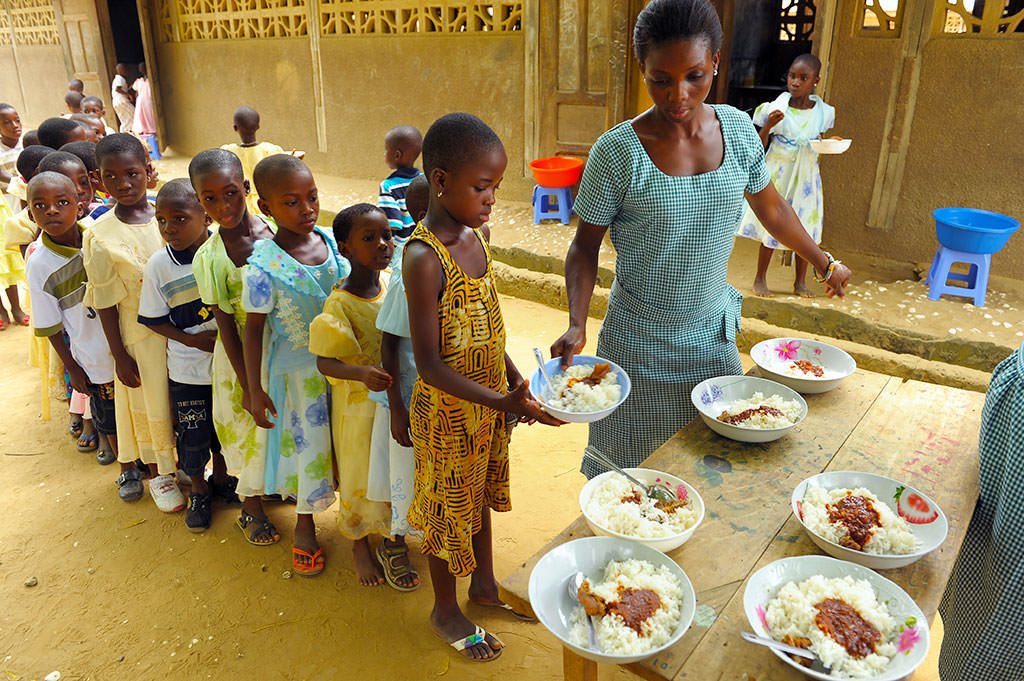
[[747, 408], [869, 519], [806, 366], [590, 389], [799, 597], [608, 564], [615, 507]]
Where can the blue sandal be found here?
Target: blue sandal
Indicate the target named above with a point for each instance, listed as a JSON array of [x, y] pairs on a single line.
[[88, 443]]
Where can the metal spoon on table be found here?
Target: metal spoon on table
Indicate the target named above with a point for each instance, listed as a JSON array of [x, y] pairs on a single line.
[[653, 491], [574, 584], [816, 664]]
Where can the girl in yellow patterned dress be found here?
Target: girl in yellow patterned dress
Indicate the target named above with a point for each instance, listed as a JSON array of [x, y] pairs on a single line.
[[467, 383]]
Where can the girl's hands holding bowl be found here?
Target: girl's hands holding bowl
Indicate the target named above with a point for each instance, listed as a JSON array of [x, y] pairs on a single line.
[[836, 284], [519, 402], [569, 344]]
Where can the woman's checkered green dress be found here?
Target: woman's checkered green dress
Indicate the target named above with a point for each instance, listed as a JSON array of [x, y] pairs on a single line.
[[983, 607], [672, 317]]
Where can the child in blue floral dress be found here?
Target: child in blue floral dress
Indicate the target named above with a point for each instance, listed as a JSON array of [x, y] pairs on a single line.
[[284, 285]]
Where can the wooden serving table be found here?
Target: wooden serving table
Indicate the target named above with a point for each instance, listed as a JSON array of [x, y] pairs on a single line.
[[924, 434]]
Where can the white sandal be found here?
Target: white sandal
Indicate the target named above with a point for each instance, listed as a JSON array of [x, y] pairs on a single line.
[[476, 638]]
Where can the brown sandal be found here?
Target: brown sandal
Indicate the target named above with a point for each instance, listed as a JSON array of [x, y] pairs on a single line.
[[392, 572]]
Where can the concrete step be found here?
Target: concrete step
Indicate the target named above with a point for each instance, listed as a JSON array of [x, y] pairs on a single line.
[[549, 289]]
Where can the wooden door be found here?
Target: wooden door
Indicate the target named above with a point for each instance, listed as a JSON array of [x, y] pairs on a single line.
[[82, 43], [581, 72]]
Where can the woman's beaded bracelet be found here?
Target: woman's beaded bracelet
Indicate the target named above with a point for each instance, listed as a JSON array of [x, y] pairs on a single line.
[[832, 262]]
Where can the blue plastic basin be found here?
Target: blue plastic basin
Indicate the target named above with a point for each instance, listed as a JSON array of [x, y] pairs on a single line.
[[972, 230]]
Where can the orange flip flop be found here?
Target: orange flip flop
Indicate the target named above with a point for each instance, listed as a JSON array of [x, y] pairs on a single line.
[[316, 561]]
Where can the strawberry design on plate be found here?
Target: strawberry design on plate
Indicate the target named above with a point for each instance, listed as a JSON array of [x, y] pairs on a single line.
[[913, 508]]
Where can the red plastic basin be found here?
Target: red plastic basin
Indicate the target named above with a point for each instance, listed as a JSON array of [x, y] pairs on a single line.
[[557, 171]]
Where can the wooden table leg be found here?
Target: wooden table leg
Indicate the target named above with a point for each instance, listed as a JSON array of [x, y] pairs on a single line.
[[576, 668]]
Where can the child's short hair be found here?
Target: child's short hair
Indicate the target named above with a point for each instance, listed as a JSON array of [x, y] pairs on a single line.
[[454, 139], [49, 177], [342, 225], [86, 151], [29, 158], [86, 119], [73, 99], [810, 60], [246, 117], [404, 136], [76, 85], [30, 138], [57, 159], [271, 169], [178, 189], [417, 196], [92, 99], [54, 132], [4, 106], [121, 143], [213, 159]]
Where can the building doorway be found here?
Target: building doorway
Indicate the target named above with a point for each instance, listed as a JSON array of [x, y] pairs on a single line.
[[765, 38]]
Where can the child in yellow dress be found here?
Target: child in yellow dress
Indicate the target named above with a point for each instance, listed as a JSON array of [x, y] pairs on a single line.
[[115, 251], [467, 383], [246, 122], [347, 344]]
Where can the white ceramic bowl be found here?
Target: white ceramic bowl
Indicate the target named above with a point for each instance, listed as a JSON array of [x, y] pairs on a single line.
[[549, 593], [713, 396], [648, 477], [554, 366], [929, 535], [774, 358], [830, 146], [765, 583]]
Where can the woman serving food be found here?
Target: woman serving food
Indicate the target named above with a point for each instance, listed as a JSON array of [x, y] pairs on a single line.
[[670, 185]]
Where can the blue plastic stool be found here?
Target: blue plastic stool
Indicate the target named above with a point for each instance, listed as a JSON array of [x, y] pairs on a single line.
[[551, 202], [976, 278], [154, 149]]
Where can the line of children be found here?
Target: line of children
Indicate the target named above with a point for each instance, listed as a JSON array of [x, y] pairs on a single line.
[[242, 330]]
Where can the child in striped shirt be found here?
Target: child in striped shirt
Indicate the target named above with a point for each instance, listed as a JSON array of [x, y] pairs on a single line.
[[401, 149]]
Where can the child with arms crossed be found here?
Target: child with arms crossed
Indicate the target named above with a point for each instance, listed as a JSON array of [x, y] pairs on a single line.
[[217, 177], [284, 286], [467, 383]]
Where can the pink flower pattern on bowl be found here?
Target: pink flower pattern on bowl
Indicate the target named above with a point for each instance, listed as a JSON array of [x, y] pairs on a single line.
[[788, 349]]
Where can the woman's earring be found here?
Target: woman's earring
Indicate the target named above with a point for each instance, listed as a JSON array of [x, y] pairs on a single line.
[[716, 72], [439, 194]]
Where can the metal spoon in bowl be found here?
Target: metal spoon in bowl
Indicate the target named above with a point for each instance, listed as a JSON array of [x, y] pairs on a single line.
[[653, 491], [543, 372], [816, 664], [574, 584]]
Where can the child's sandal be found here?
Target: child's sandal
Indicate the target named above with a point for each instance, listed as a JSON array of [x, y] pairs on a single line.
[[315, 565], [87, 443], [387, 555], [252, 527]]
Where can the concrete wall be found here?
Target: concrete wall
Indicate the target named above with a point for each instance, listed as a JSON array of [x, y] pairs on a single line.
[[371, 83], [44, 79], [964, 147]]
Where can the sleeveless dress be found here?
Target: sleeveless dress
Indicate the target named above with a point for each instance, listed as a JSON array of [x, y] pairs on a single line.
[[461, 447], [981, 608], [672, 316]]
